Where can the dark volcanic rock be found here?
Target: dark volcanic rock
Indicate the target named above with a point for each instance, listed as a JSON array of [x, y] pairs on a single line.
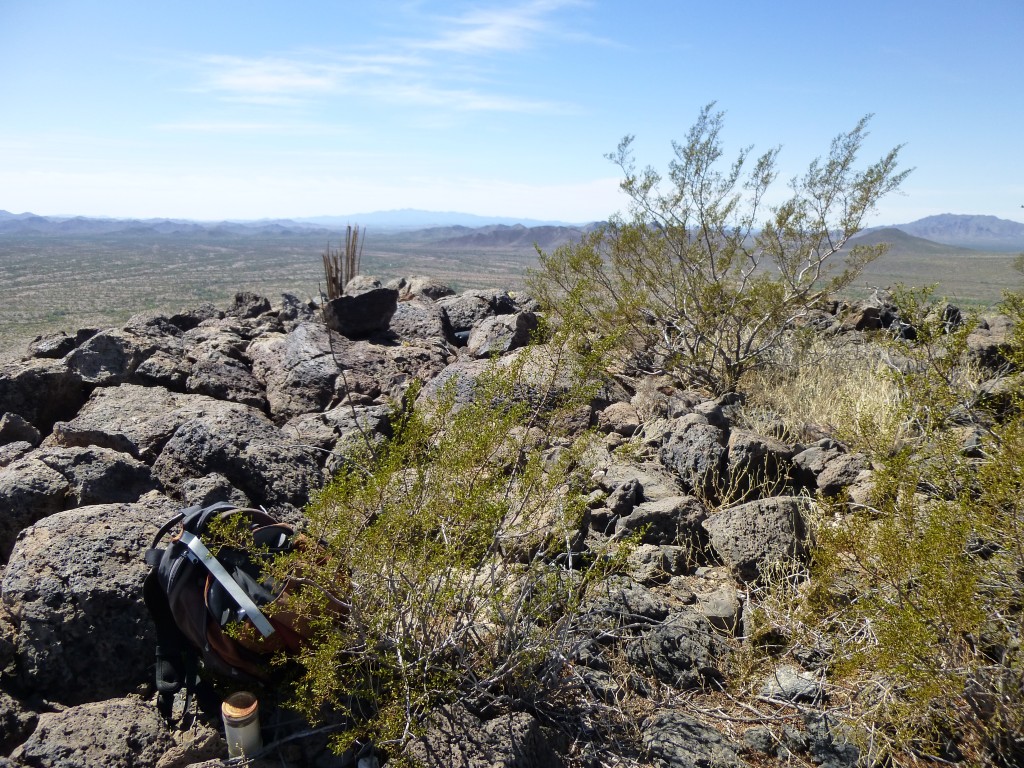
[[674, 740], [299, 369], [500, 334], [684, 652], [16, 723], [54, 345], [696, 452], [427, 287], [41, 391], [469, 308], [675, 520], [225, 378], [454, 738], [244, 446], [53, 479], [248, 305], [363, 315], [130, 418], [119, 733], [750, 536], [111, 356], [758, 466], [420, 319], [13, 428], [73, 587]]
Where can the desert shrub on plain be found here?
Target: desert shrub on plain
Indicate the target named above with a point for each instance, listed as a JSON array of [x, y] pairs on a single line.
[[701, 279], [453, 567]]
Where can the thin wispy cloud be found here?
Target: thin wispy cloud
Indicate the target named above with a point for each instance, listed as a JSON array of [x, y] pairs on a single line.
[[433, 70], [497, 29]]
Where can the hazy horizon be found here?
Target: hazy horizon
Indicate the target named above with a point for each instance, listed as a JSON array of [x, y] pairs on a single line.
[[248, 111]]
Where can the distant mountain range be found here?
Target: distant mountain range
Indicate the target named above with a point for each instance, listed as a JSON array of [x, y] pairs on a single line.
[[937, 234], [984, 233], [412, 218]]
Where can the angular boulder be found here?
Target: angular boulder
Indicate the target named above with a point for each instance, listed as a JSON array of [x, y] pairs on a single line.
[[118, 733], [753, 536], [362, 315], [73, 587], [53, 479], [130, 418], [244, 446]]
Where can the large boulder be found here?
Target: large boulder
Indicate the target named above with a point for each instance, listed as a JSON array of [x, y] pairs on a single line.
[[112, 356], [419, 285], [299, 369], [696, 452], [454, 738], [13, 429], [130, 418], [362, 315], [41, 391], [244, 446], [420, 319], [684, 651], [467, 309], [758, 466], [73, 587], [225, 378], [501, 334], [674, 740], [753, 536], [53, 479], [118, 733], [336, 431], [675, 520]]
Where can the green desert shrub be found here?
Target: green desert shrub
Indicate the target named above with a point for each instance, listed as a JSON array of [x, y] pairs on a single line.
[[914, 596], [452, 565], [702, 278]]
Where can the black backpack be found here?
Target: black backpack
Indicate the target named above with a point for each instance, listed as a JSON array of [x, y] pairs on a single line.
[[195, 597]]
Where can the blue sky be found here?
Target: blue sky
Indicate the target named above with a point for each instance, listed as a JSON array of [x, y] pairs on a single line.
[[213, 110]]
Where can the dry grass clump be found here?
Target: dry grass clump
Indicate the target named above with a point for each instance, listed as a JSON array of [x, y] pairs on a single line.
[[818, 385]]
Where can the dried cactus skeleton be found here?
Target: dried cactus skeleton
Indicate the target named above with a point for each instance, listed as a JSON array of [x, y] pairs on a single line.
[[341, 266]]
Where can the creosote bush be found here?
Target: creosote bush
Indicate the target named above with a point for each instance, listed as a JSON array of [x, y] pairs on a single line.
[[453, 567], [701, 279], [913, 599]]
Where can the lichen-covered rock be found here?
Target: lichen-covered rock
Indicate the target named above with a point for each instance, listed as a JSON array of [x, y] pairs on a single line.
[[119, 733], [73, 588]]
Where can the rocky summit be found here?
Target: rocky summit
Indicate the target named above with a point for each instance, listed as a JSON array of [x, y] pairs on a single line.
[[106, 433]]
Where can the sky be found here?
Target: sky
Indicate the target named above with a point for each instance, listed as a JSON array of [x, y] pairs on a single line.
[[247, 110]]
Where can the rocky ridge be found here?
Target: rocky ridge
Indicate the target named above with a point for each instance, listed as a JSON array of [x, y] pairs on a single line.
[[104, 434]]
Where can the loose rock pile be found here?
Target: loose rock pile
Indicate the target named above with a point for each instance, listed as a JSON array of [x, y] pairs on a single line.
[[106, 433]]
